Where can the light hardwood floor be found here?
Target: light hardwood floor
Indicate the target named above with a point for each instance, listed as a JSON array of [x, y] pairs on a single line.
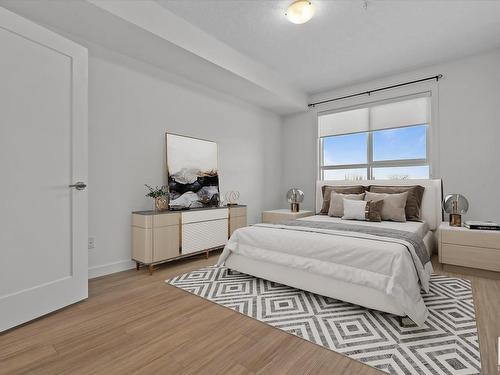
[[134, 323]]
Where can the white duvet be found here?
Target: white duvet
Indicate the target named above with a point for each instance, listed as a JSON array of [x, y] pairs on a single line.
[[382, 265]]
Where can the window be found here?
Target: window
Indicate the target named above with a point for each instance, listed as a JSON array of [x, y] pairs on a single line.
[[387, 141]]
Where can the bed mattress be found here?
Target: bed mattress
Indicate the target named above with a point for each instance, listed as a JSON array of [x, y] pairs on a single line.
[[373, 263], [418, 227]]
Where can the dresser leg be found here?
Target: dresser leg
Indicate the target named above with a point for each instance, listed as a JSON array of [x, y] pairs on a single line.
[[137, 266], [151, 269]]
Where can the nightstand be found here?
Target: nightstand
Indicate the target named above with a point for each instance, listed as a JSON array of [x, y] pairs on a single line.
[[237, 217], [275, 216], [463, 250]]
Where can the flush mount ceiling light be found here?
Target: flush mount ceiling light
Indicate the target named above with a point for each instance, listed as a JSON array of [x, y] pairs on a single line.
[[300, 11]]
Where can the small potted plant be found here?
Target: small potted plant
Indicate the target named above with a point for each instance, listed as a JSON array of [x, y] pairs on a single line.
[[160, 196]]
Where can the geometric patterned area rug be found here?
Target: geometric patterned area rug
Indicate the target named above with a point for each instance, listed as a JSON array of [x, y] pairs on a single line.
[[446, 344]]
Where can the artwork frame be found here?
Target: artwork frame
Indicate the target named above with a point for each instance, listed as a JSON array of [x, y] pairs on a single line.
[[192, 166]]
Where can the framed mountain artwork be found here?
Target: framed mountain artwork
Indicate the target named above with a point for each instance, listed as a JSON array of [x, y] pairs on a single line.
[[192, 170]]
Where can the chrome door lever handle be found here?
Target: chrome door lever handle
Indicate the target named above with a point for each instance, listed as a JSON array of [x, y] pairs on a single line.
[[79, 185]]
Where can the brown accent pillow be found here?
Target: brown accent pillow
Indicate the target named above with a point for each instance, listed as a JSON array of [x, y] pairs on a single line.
[[326, 190], [337, 202], [394, 205], [413, 203], [363, 210], [374, 210]]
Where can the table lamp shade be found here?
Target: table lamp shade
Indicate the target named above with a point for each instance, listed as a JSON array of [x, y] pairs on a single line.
[[295, 196], [456, 205]]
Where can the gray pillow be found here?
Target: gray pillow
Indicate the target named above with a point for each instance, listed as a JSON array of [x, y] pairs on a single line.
[[337, 202], [326, 190], [394, 205], [414, 201]]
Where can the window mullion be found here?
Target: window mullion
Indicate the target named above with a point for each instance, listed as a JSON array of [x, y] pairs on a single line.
[[370, 146], [344, 166], [369, 155]]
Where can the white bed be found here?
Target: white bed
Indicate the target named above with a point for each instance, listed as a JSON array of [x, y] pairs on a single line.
[[365, 271]]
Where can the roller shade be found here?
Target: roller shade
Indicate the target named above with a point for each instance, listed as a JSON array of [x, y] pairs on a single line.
[[398, 114], [343, 122], [383, 116]]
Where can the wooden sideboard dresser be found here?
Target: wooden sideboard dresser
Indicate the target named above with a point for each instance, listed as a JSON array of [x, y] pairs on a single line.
[[163, 236]]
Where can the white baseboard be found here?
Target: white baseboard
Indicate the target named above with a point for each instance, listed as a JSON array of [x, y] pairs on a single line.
[[109, 268]]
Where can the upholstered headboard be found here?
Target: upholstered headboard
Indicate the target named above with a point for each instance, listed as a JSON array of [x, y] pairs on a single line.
[[431, 201]]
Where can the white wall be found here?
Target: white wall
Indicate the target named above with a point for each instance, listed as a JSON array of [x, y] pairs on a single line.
[[469, 133], [299, 140], [131, 106]]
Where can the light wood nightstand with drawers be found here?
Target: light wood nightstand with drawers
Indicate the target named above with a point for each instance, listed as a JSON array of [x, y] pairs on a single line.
[[471, 251]]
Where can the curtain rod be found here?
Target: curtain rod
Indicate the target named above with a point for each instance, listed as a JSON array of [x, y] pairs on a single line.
[[436, 77]]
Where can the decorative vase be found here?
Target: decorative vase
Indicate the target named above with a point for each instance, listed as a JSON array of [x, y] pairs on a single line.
[[231, 197], [161, 203]]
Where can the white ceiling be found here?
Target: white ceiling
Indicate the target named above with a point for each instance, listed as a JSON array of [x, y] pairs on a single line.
[[344, 43], [151, 34]]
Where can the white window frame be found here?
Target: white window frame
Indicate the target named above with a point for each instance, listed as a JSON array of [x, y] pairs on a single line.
[[430, 89], [371, 164]]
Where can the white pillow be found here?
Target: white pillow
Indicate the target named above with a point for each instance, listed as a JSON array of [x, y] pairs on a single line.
[[354, 210]]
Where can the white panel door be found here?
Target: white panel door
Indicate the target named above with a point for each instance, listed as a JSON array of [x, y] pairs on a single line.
[[43, 143]]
